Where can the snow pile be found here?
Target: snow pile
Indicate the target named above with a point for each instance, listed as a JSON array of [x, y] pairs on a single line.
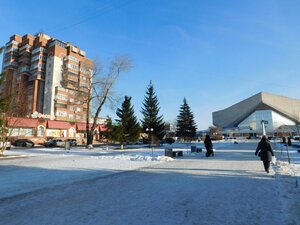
[[285, 168], [138, 157], [288, 175]]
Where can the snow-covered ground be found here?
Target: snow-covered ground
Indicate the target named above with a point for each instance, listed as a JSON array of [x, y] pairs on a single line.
[[158, 190]]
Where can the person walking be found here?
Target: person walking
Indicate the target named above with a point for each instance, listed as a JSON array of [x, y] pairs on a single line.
[[209, 146], [265, 152]]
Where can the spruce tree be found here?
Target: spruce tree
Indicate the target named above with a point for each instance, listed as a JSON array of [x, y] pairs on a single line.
[[186, 126], [128, 121], [150, 112]]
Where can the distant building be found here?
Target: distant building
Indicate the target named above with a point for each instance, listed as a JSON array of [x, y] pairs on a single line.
[[42, 74], [278, 113]]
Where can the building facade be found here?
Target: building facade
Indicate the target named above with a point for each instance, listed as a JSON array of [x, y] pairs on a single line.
[[276, 114], [43, 75], [38, 130]]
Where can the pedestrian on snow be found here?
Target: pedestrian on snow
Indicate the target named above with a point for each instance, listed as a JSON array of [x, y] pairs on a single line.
[[265, 151], [209, 146]]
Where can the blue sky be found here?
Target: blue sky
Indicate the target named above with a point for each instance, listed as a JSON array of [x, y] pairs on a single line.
[[214, 53]]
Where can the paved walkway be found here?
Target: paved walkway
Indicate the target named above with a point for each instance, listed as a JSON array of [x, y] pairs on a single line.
[[230, 188]]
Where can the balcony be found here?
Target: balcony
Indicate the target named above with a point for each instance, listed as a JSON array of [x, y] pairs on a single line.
[[27, 47], [82, 53], [69, 57], [13, 64], [11, 42], [60, 89], [34, 66], [35, 58], [24, 69], [61, 105], [25, 60], [59, 43]]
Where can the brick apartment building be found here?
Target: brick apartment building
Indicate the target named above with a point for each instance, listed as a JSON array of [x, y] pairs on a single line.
[[43, 75]]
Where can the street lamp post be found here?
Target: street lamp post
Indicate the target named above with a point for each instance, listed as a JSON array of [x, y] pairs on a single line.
[[263, 122], [150, 130]]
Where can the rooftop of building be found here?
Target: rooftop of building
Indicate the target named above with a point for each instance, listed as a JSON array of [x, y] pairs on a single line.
[[232, 115]]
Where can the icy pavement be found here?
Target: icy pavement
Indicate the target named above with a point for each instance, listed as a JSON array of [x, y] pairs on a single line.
[[132, 187]]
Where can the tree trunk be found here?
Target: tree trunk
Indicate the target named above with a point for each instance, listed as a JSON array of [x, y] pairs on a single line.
[[89, 139]]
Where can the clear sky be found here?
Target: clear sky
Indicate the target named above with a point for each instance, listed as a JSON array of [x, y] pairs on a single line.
[[214, 53]]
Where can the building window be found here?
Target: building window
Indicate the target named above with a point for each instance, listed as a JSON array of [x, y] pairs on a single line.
[[78, 109], [62, 97], [72, 66], [42, 65], [73, 58], [72, 74], [59, 105], [40, 131], [24, 68], [21, 131], [34, 66], [56, 133], [35, 50], [71, 99], [72, 132], [62, 114], [35, 58]]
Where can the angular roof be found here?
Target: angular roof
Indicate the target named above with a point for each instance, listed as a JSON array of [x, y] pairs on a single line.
[[233, 115]]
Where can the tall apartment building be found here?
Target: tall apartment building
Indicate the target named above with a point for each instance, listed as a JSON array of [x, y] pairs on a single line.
[[43, 75]]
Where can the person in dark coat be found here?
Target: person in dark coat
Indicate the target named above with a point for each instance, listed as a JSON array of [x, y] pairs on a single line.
[[209, 146], [265, 151]]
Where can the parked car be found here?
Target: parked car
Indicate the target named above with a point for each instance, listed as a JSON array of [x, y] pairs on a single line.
[[55, 143], [6, 144], [73, 142], [139, 142], [23, 143]]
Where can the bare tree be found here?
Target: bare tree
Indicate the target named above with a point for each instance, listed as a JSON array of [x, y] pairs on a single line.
[[4, 105], [214, 132], [11, 106], [98, 90]]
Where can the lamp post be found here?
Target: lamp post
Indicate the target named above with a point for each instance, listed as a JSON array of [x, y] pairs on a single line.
[[149, 131], [263, 122]]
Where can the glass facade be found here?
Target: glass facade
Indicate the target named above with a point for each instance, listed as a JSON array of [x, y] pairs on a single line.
[[273, 121]]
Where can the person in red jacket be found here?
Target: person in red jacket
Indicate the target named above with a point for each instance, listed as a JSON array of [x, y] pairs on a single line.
[[265, 151]]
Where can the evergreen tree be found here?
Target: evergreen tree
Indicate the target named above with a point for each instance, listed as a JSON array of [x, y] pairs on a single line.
[[118, 134], [108, 132], [113, 132], [150, 112], [128, 121], [186, 126]]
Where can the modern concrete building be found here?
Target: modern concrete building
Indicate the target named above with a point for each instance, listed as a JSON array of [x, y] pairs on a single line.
[[248, 116], [43, 73]]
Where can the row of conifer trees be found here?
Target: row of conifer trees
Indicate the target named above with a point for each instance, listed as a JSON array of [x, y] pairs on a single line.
[[127, 128]]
